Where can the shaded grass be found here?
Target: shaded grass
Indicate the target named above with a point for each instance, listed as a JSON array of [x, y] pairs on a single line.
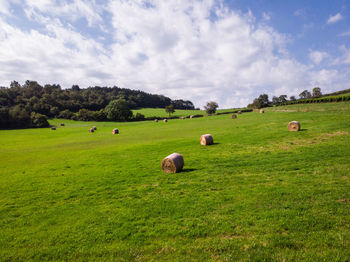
[[261, 193], [160, 112]]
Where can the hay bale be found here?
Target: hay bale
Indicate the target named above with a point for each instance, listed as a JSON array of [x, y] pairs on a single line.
[[62, 124], [115, 131], [294, 126], [156, 120], [94, 127], [173, 163], [239, 112], [234, 116], [207, 139], [91, 130], [165, 120], [53, 128], [262, 111]]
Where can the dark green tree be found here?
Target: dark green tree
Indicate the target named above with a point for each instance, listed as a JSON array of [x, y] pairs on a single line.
[[305, 94], [275, 100], [38, 120], [211, 107], [169, 109], [261, 101], [282, 98], [118, 110], [316, 92]]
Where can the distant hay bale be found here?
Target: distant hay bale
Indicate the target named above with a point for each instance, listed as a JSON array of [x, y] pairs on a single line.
[[239, 112], [207, 139], [294, 126], [91, 130], [262, 111], [94, 127], [234, 116], [165, 120], [62, 124], [115, 131], [53, 128], [173, 163], [156, 120]]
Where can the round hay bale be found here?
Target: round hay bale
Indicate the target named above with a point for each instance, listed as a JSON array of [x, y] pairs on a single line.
[[207, 139], [165, 120], [294, 126], [239, 112], [191, 117], [234, 116], [173, 163], [115, 131], [262, 111], [94, 127], [156, 120], [62, 124], [91, 130], [53, 128]]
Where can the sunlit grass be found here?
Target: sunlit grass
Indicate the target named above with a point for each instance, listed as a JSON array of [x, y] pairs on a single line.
[[259, 193]]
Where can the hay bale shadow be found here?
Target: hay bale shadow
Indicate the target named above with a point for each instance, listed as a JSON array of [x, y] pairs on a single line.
[[187, 170]]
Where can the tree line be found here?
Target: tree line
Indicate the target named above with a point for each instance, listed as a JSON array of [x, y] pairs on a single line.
[[28, 105], [263, 100]]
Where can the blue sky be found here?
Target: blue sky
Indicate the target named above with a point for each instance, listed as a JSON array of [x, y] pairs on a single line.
[[226, 51]]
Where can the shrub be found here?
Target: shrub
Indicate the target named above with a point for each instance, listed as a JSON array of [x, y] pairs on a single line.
[[38, 120], [66, 114]]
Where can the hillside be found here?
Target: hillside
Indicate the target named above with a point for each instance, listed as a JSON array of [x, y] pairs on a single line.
[[259, 193], [22, 105], [160, 112]]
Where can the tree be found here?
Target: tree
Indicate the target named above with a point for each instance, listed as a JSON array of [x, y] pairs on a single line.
[[261, 101], [169, 109], [118, 110], [275, 100], [211, 107], [38, 120], [305, 94], [264, 98], [292, 98], [282, 98], [19, 117], [65, 114], [316, 92]]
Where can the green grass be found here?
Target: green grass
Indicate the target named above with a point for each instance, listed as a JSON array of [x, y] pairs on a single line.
[[160, 112], [260, 193]]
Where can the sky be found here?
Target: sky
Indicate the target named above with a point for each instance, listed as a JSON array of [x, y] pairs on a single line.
[[228, 51]]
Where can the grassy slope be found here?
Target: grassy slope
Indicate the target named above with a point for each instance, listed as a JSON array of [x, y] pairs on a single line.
[[160, 112], [259, 193]]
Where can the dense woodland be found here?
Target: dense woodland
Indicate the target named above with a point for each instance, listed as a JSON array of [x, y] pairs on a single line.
[[305, 97], [28, 105]]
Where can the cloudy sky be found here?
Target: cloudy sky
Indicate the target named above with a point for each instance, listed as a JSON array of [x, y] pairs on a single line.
[[226, 51]]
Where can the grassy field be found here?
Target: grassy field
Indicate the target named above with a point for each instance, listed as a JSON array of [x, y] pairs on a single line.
[[160, 112], [260, 193]]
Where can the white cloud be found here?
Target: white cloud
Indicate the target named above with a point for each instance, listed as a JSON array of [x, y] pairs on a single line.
[[69, 10], [266, 16], [196, 50], [335, 18], [317, 56], [4, 7], [347, 33], [346, 54], [300, 12]]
